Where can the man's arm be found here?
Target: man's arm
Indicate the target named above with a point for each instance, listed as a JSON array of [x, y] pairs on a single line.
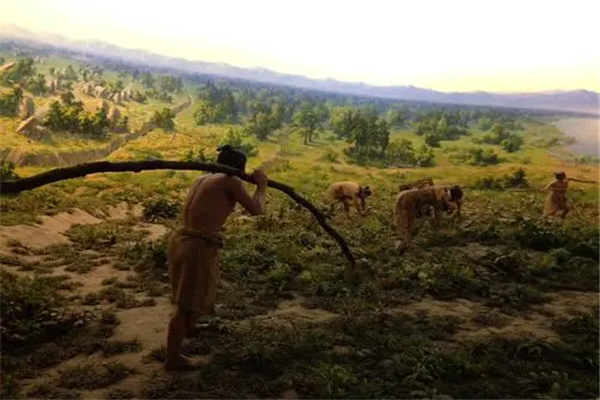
[[580, 180], [547, 187], [254, 205]]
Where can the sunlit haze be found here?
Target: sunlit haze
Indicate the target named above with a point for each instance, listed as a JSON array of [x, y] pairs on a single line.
[[502, 46]]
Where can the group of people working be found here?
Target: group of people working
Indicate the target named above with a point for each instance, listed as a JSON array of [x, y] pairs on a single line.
[[194, 248]]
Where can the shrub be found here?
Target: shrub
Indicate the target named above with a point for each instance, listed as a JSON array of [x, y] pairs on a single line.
[[475, 156], [516, 180], [160, 208], [197, 156], [34, 311], [9, 102], [330, 155], [163, 119], [7, 171], [236, 139]]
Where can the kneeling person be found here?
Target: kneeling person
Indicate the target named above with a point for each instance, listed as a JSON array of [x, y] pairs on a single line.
[[193, 253]]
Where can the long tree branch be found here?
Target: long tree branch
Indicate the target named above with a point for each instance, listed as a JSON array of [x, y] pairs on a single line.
[[77, 171]]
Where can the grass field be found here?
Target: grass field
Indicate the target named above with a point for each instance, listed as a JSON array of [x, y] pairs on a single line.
[[498, 304]]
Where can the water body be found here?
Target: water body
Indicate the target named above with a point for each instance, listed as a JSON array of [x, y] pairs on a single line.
[[585, 131]]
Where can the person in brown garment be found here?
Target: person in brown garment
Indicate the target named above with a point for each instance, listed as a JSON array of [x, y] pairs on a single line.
[[418, 184], [556, 201], [344, 192], [410, 204], [193, 252]]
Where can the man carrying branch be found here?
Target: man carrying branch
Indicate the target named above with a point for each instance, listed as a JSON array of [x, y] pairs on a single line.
[[193, 253]]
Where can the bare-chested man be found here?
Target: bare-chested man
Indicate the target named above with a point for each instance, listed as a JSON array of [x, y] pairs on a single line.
[[556, 202], [194, 248], [410, 203], [343, 192]]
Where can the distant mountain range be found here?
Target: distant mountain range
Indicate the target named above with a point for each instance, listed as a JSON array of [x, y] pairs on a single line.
[[581, 101]]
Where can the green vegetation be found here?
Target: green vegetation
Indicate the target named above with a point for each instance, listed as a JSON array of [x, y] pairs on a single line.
[[500, 135], [163, 119], [498, 304], [9, 102], [69, 116]]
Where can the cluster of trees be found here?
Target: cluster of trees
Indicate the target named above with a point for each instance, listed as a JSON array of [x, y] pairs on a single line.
[[161, 88], [486, 121], [163, 119], [402, 152], [500, 135], [216, 104], [309, 119], [68, 115], [477, 156], [235, 138], [438, 125], [518, 179], [9, 102]]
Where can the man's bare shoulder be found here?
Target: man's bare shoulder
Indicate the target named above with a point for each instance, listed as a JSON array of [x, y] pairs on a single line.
[[226, 181]]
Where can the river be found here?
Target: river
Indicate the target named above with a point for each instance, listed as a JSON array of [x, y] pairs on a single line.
[[584, 130]]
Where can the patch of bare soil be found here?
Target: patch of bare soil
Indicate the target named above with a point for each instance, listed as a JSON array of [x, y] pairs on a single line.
[[155, 231], [91, 282], [536, 323], [49, 232], [289, 313]]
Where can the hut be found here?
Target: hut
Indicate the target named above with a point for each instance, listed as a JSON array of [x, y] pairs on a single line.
[[100, 91], [28, 126], [51, 84], [88, 88], [7, 66], [114, 115], [25, 108]]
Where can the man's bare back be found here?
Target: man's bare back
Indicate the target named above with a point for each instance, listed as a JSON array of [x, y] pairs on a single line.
[[212, 198]]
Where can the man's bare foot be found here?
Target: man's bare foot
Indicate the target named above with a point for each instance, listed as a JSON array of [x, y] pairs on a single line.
[[181, 363]]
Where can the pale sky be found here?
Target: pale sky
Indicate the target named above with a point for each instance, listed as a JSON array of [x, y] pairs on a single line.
[[448, 45]]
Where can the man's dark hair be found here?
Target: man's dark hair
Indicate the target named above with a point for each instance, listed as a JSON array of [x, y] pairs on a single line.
[[560, 175], [456, 193], [231, 157], [365, 192]]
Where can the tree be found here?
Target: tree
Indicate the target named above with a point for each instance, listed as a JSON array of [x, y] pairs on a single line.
[[424, 156], [512, 143], [431, 139], [259, 125], [164, 119], [308, 121], [396, 118], [205, 114], [9, 102], [70, 74], [54, 118], [147, 80], [401, 152], [67, 98]]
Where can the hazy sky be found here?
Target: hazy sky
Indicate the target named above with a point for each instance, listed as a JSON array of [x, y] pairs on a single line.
[[450, 45]]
